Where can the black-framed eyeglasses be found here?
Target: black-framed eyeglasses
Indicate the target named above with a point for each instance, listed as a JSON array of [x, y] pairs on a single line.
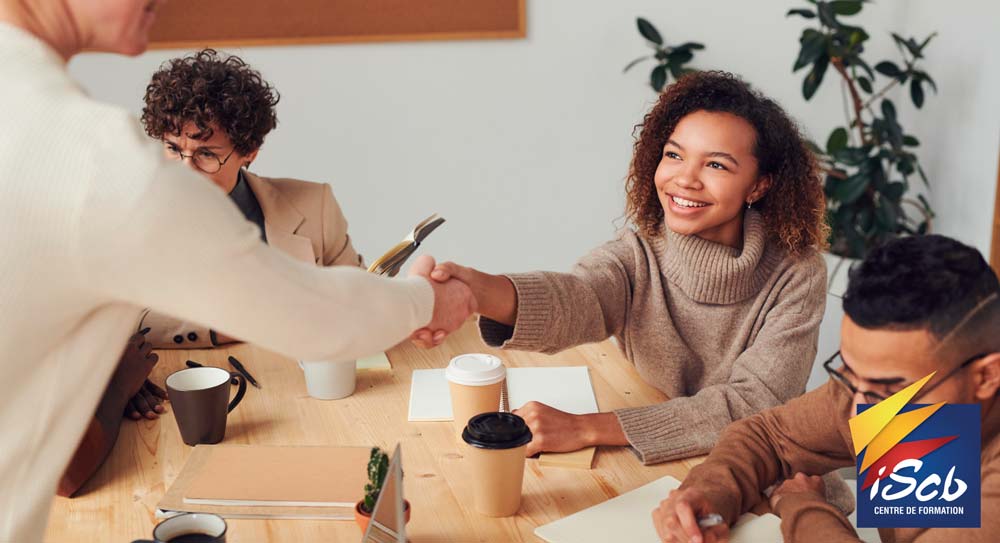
[[875, 397], [203, 159]]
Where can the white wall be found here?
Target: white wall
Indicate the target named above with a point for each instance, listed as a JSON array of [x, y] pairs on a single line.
[[523, 145]]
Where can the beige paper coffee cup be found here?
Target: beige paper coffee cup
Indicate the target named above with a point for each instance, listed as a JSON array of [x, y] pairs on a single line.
[[494, 449], [474, 381]]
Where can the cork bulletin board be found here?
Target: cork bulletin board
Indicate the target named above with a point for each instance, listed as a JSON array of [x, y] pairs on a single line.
[[188, 24]]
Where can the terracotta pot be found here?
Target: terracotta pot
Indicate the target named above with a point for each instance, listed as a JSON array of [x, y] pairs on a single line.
[[363, 518]]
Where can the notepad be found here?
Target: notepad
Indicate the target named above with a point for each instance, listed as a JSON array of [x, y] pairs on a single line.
[[566, 388], [627, 518], [274, 476], [378, 361]]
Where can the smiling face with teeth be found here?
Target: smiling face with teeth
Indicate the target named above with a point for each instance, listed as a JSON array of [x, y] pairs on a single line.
[[706, 176]]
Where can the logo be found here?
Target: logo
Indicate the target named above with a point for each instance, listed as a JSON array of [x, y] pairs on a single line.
[[918, 464]]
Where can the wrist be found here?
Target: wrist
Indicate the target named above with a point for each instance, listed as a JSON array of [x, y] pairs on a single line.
[[787, 500], [601, 429], [495, 296]]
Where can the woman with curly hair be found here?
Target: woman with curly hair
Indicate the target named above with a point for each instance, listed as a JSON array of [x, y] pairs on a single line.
[[717, 294], [213, 111]]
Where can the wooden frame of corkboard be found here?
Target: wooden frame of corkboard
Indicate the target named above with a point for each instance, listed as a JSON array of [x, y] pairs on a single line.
[[995, 245], [193, 24]]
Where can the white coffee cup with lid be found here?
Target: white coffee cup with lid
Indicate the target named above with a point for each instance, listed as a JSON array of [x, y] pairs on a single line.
[[474, 381]]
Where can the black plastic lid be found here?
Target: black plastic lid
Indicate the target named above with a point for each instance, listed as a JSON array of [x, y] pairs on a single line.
[[496, 431]]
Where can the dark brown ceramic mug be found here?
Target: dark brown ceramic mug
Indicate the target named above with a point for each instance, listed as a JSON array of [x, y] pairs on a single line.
[[200, 401], [189, 528]]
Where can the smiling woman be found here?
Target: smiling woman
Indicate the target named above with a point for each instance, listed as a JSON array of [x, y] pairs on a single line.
[[716, 297]]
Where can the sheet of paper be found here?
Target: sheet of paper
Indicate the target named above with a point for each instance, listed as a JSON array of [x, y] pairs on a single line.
[[627, 518], [566, 388], [430, 399], [374, 362]]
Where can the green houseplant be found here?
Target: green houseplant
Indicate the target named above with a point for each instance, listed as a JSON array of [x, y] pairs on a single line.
[[378, 468], [870, 161], [670, 59]]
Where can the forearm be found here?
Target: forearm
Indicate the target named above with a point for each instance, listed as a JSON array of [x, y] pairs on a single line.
[[96, 445]]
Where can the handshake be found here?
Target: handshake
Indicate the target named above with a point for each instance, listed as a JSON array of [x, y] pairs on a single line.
[[458, 293]]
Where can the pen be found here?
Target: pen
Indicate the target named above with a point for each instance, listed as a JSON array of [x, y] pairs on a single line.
[[709, 520], [239, 367]]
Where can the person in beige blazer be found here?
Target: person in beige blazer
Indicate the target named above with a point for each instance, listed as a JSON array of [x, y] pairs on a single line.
[[213, 111], [302, 219]]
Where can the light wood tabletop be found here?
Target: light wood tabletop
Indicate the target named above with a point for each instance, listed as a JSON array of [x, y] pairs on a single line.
[[118, 504]]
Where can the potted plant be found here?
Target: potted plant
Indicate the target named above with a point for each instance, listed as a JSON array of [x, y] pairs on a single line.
[[378, 467], [870, 161], [670, 59]]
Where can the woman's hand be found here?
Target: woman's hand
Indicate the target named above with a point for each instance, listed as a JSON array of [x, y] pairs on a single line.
[[553, 430], [495, 298]]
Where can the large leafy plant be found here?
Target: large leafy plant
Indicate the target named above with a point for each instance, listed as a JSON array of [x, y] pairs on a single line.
[[670, 59], [870, 161]]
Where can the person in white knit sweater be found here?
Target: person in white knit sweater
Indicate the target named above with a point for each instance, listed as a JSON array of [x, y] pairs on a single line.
[[92, 214]]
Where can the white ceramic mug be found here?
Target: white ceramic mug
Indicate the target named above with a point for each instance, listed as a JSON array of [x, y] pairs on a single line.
[[330, 380]]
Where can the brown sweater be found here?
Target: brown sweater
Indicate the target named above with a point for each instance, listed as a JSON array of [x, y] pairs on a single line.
[[725, 333], [810, 434]]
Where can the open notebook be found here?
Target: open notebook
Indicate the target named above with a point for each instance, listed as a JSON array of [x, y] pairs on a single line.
[[628, 518]]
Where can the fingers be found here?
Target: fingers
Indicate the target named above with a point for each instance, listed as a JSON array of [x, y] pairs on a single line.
[[131, 411], [155, 390], [153, 400], [422, 266], [449, 270], [716, 534], [688, 521], [142, 406]]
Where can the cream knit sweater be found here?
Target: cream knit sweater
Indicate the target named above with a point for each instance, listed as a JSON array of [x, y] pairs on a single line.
[[87, 208]]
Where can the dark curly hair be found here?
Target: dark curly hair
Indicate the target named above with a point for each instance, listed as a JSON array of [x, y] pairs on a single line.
[[204, 88], [793, 208], [918, 282]]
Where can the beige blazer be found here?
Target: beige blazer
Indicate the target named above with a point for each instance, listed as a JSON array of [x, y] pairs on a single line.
[[302, 219]]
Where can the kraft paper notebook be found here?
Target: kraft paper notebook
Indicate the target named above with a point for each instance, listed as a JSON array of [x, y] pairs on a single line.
[[254, 481], [627, 518], [567, 388]]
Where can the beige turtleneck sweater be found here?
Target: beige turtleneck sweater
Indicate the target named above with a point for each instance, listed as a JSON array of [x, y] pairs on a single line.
[[723, 332]]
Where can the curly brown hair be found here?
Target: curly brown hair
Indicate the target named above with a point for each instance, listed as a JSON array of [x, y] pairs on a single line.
[[793, 208], [204, 88]]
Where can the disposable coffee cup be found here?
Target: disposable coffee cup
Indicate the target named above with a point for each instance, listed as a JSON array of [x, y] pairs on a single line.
[[330, 380], [475, 381], [495, 447], [189, 528]]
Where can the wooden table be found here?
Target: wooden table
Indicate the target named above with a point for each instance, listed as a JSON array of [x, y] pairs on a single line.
[[118, 504]]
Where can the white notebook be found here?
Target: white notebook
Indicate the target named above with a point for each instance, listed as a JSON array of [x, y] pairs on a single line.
[[628, 518], [566, 388]]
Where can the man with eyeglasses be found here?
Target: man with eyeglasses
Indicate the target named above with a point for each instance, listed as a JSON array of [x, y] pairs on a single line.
[[914, 306]]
